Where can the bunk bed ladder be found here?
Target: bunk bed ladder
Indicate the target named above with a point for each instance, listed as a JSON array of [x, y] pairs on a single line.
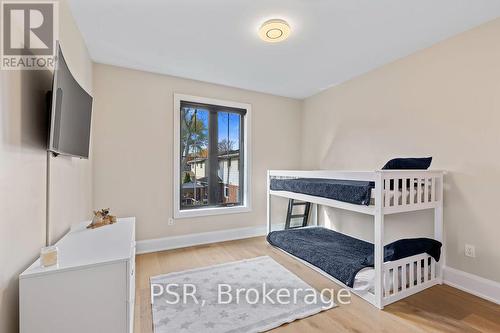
[[289, 215]]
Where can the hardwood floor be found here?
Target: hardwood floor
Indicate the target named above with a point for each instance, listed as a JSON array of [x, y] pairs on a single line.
[[438, 309]]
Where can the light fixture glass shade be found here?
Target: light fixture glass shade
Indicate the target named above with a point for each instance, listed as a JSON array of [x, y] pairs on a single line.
[[274, 31]]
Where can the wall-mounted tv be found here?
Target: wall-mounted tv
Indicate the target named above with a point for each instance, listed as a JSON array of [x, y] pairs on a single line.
[[71, 113]]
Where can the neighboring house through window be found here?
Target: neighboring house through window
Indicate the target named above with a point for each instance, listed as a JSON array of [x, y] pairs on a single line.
[[211, 156]]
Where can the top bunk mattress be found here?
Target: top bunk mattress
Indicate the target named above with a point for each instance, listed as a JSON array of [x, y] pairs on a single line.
[[351, 191]]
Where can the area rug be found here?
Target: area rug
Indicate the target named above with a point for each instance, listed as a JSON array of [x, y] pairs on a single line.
[[253, 295]]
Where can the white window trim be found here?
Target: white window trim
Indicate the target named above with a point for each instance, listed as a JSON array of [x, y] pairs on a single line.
[[198, 212]]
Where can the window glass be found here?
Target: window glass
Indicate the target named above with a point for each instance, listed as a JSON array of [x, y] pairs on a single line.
[[211, 158], [194, 155], [229, 156]]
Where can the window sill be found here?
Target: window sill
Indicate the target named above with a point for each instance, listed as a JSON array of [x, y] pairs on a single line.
[[200, 212]]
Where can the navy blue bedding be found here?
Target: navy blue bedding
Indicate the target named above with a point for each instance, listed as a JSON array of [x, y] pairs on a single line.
[[342, 256], [351, 191], [409, 247], [420, 163]]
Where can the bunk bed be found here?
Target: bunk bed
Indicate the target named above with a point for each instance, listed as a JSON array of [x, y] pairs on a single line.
[[376, 193]]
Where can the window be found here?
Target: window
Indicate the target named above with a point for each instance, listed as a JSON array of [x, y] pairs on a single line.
[[211, 157]]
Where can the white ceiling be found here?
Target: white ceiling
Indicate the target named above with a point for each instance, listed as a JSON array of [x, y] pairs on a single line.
[[216, 40]]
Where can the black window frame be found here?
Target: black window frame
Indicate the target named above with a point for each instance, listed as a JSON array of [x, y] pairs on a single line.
[[213, 158]]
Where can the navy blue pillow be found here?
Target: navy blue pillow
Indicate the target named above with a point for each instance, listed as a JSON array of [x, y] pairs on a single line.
[[404, 248], [408, 164]]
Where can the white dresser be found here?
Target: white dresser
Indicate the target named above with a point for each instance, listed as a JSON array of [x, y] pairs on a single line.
[[91, 290]]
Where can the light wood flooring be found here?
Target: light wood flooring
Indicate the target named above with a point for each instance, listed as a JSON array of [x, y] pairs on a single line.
[[438, 309]]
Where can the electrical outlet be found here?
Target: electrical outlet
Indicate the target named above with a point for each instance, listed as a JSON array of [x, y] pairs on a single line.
[[470, 251], [171, 221]]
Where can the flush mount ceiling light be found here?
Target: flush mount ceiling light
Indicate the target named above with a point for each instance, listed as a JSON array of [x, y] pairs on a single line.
[[274, 31]]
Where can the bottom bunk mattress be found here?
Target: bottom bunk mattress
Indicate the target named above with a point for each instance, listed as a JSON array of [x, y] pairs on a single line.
[[342, 256]]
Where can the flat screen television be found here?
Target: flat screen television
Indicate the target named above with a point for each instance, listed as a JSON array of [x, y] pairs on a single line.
[[71, 113]]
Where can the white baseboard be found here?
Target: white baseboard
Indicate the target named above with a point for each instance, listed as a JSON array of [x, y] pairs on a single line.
[[176, 242], [472, 284]]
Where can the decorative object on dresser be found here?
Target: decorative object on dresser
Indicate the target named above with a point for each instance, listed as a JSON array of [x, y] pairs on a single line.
[[101, 218], [48, 256], [92, 289]]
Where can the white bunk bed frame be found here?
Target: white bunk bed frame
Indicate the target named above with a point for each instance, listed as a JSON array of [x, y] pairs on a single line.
[[398, 279]]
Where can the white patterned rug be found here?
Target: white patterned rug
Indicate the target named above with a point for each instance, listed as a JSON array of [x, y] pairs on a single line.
[[207, 299]]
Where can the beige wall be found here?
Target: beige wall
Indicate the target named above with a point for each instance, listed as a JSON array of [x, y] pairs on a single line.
[[444, 102], [133, 118], [23, 130]]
